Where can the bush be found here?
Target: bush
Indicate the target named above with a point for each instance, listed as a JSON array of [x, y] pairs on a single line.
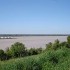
[[56, 45], [33, 51], [48, 66], [2, 55], [32, 64], [68, 39], [39, 50], [49, 60], [18, 50], [49, 46], [8, 53]]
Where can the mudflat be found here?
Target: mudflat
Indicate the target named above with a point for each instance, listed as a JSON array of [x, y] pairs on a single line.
[[31, 41]]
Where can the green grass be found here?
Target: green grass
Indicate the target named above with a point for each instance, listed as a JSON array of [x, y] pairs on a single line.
[[48, 60]]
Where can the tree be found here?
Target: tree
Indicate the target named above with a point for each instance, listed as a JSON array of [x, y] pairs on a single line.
[[8, 53], [68, 39], [62, 44], [49, 46], [33, 51], [18, 50], [56, 45], [39, 50], [2, 55]]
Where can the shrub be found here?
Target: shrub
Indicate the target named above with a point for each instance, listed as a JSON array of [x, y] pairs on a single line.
[[2, 55], [49, 46], [39, 50], [56, 45], [68, 39], [18, 50], [33, 51]]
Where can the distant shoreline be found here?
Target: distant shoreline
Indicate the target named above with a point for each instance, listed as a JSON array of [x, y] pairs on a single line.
[[3, 35]]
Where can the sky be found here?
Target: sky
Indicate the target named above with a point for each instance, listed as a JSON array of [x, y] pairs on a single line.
[[34, 16]]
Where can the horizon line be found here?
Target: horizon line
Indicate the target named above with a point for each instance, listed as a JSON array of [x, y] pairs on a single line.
[[34, 34]]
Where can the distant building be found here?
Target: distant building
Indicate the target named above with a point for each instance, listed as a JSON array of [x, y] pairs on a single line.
[[6, 37]]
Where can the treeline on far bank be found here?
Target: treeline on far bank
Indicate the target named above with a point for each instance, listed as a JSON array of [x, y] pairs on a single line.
[[18, 50]]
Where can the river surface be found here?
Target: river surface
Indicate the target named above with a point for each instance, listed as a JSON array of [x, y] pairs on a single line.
[[31, 41]]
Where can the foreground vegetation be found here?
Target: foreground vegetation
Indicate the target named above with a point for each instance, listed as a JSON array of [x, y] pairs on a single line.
[[56, 56], [18, 50]]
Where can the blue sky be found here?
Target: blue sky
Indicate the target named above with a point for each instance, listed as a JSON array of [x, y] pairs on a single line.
[[35, 16]]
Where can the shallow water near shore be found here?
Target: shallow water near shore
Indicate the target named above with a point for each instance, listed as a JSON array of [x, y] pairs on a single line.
[[31, 41]]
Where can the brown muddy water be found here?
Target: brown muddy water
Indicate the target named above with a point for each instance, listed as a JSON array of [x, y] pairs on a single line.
[[31, 41]]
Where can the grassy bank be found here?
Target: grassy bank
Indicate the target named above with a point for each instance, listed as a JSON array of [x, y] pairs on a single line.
[[48, 60]]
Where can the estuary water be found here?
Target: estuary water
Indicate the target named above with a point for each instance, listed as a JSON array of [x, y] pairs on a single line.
[[31, 41]]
